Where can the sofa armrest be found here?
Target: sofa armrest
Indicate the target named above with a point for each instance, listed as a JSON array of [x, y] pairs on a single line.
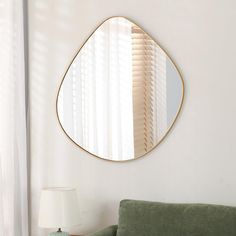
[[109, 231]]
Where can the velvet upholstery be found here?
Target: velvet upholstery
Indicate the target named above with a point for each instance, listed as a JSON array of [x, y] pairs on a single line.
[[141, 218], [109, 231]]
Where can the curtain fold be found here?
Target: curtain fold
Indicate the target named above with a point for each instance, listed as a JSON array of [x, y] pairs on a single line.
[[13, 143]]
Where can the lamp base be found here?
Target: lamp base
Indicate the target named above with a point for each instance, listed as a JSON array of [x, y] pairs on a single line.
[[59, 234]]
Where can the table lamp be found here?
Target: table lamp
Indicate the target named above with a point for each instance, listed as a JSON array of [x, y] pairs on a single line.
[[58, 209]]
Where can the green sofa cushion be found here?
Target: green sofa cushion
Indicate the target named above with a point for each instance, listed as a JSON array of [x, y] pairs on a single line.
[[141, 218], [109, 231]]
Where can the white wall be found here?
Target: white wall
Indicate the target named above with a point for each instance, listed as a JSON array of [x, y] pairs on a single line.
[[195, 163]]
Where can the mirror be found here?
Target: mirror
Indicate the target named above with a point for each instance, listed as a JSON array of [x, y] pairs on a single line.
[[121, 93]]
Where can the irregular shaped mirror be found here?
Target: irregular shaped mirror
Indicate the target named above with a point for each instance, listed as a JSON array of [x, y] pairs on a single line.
[[121, 94]]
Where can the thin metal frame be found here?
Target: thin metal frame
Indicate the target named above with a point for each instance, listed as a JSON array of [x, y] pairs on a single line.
[[174, 120]]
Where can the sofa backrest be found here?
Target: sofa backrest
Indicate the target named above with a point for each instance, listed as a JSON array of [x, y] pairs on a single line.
[[141, 218]]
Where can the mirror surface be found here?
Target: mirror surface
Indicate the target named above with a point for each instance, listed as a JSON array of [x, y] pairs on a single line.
[[121, 94]]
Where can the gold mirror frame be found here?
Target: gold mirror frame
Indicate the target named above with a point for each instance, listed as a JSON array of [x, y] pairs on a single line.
[[174, 120]]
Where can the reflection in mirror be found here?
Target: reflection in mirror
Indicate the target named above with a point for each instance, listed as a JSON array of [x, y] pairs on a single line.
[[121, 94]]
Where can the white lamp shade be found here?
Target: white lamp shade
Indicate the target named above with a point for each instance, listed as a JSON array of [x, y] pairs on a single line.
[[58, 208]]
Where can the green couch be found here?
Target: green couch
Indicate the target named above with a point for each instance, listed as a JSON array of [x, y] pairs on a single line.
[[141, 218]]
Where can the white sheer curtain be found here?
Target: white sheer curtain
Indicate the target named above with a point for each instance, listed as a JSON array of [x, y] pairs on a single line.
[[96, 100], [13, 161]]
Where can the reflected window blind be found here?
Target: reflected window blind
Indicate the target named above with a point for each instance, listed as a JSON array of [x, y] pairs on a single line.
[[149, 79], [160, 124]]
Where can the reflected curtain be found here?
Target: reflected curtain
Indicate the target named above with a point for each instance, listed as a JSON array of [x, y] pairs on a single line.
[[98, 113], [13, 151]]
